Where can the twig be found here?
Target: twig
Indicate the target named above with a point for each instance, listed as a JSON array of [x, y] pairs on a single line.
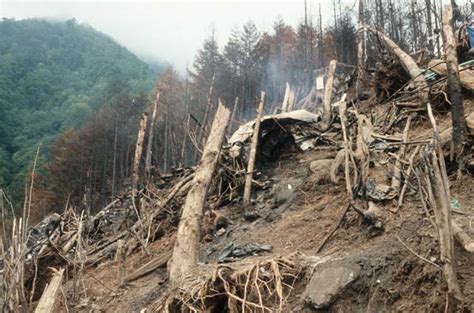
[[417, 255], [321, 245]]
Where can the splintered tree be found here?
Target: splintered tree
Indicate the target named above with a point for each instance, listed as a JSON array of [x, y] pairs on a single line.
[[454, 84], [185, 253], [253, 151], [151, 132], [138, 154]]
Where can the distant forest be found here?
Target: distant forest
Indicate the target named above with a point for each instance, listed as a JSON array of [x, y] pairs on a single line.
[[54, 76], [94, 100]]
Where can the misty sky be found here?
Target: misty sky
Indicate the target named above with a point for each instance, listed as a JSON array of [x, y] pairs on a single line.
[[167, 31]]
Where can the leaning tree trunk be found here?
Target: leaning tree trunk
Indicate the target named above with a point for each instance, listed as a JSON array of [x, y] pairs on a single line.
[[253, 151], [408, 64], [454, 84], [150, 136], [138, 154], [442, 212], [185, 253]]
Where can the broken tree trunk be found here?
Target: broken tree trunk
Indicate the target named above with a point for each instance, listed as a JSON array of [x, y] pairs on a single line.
[[253, 151], [442, 213], [454, 84], [291, 100], [138, 154], [202, 129], [347, 147], [232, 117], [150, 136], [185, 252], [408, 64], [327, 109], [48, 298]]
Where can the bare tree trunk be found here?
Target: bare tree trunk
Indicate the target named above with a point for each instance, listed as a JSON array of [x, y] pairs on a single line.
[[185, 253], [234, 110], [408, 64], [183, 147], [291, 100], [114, 165], [327, 109], [361, 51], [138, 153], [429, 27], [284, 104], [253, 151], [321, 51], [454, 84], [151, 132], [166, 143], [202, 129], [442, 213]]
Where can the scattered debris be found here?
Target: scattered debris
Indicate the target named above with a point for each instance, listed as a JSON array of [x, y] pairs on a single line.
[[233, 252]]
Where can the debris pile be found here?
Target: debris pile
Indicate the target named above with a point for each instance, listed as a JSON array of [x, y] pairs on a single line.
[[385, 160]]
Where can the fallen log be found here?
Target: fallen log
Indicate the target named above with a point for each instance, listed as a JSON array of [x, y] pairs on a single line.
[[159, 261], [466, 76], [464, 240], [48, 298], [408, 64]]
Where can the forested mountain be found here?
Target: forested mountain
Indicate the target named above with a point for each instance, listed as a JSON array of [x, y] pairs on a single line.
[[53, 76]]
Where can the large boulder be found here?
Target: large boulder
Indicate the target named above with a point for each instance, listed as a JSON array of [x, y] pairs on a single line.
[[329, 281]]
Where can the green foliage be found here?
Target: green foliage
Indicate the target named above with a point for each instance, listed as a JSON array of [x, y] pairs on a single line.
[[54, 76]]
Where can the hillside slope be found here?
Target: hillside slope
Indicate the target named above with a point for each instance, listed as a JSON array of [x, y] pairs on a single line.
[[53, 76]]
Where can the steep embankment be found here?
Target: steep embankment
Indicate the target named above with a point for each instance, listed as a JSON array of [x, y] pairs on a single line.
[[54, 75]]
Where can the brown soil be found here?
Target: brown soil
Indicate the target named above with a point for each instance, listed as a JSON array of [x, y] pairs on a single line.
[[393, 280]]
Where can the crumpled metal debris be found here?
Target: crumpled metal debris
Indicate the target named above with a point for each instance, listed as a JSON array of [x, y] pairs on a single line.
[[231, 252], [378, 192], [39, 234], [275, 129]]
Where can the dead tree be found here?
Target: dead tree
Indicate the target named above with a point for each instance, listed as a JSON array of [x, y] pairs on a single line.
[[442, 212], [291, 100], [361, 51], [202, 129], [408, 64], [327, 109], [185, 252], [286, 98], [454, 84], [138, 154], [234, 110], [253, 151], [150, 136]]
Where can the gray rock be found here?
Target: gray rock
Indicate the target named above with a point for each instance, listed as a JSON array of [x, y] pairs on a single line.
[[329, 280]]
